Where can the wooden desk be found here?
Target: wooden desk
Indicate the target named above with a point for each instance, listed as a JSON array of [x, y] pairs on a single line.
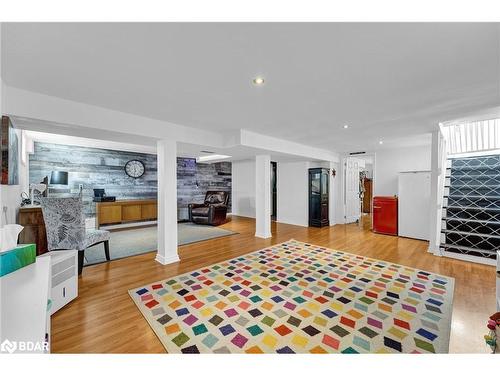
[[31, 218], [125, 211]]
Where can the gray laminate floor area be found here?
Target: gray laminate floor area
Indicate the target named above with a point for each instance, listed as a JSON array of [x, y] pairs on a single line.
[[134, 241]]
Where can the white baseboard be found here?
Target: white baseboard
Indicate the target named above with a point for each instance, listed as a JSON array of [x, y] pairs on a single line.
[[435, 250], [241, 215], [470, 258], [296, 223], [129, 225]]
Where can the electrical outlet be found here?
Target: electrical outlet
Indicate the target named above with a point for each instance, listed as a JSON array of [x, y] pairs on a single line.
[[80, 187]]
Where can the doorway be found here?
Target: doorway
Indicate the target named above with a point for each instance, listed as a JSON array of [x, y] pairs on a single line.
[[274, 190], [366, 186], [358, 188]]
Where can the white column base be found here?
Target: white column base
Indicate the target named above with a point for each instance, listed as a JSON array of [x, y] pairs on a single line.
[[171, 259], [263, 235], [434, 250]]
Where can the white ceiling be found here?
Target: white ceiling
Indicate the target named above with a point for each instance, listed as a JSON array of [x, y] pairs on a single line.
[[387, 81]]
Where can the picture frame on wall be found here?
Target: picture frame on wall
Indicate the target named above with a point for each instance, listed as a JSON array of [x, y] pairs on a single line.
[[9, 153]]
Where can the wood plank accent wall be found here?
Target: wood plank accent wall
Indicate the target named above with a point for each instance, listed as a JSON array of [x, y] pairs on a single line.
[[98, 168], [94, 168], [194, 179]]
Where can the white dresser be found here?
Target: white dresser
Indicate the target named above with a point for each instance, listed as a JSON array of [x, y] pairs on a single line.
[[64, 277], [30, 295], [24, 316]]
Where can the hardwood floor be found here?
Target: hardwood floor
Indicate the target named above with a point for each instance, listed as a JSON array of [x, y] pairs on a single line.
[[103, 319]]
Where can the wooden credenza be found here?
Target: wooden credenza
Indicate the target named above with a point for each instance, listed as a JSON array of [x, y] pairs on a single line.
[[125, 211]]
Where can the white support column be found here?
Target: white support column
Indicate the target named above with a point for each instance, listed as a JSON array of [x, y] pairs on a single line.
[[263, 196], [167, 201], [332, 194], [436, 195]]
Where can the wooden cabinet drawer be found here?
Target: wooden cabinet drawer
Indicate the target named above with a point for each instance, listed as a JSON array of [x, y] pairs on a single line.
[[131, 212], [149, 212], [126, 211], [110, 214], [65, 292], [64, 277]]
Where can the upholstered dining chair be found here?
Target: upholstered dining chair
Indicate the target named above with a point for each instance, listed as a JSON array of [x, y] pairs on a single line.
[[65, 227]]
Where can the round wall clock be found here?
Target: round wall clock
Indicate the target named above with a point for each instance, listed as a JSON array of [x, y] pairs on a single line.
[[135, 168]]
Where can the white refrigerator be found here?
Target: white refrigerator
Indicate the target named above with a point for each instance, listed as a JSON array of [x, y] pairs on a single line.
[[414, 193]]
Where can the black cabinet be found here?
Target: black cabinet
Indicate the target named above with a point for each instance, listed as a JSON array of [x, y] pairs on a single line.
[[318, 197]]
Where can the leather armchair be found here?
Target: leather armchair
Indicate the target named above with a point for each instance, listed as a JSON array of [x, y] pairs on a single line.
[[212, 211]]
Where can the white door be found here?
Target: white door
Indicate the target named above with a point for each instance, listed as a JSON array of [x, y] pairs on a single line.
[[352, 201]]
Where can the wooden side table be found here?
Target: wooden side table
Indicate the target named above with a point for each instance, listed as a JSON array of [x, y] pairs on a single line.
[[31, 218]]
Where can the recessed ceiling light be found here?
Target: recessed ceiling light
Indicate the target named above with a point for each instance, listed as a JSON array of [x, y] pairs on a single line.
[[346, 126], [380, 142], [258, 81]]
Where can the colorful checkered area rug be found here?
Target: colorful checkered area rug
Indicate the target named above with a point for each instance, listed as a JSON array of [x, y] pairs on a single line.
[[296, 297]]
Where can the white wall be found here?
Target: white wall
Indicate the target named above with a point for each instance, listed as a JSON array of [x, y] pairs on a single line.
[[9, 195], [1, 112], [243, 188], [292, 193], [336, 202], [390, 162], [1, 80]]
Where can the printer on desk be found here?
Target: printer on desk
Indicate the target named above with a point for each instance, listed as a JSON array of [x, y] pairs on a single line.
[[100, 196]]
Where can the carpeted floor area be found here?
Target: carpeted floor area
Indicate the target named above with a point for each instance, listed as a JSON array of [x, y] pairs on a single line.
[[124, 243], [296, 297]]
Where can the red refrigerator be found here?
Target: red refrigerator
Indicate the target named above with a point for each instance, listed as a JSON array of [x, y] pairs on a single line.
[[385, 215]]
